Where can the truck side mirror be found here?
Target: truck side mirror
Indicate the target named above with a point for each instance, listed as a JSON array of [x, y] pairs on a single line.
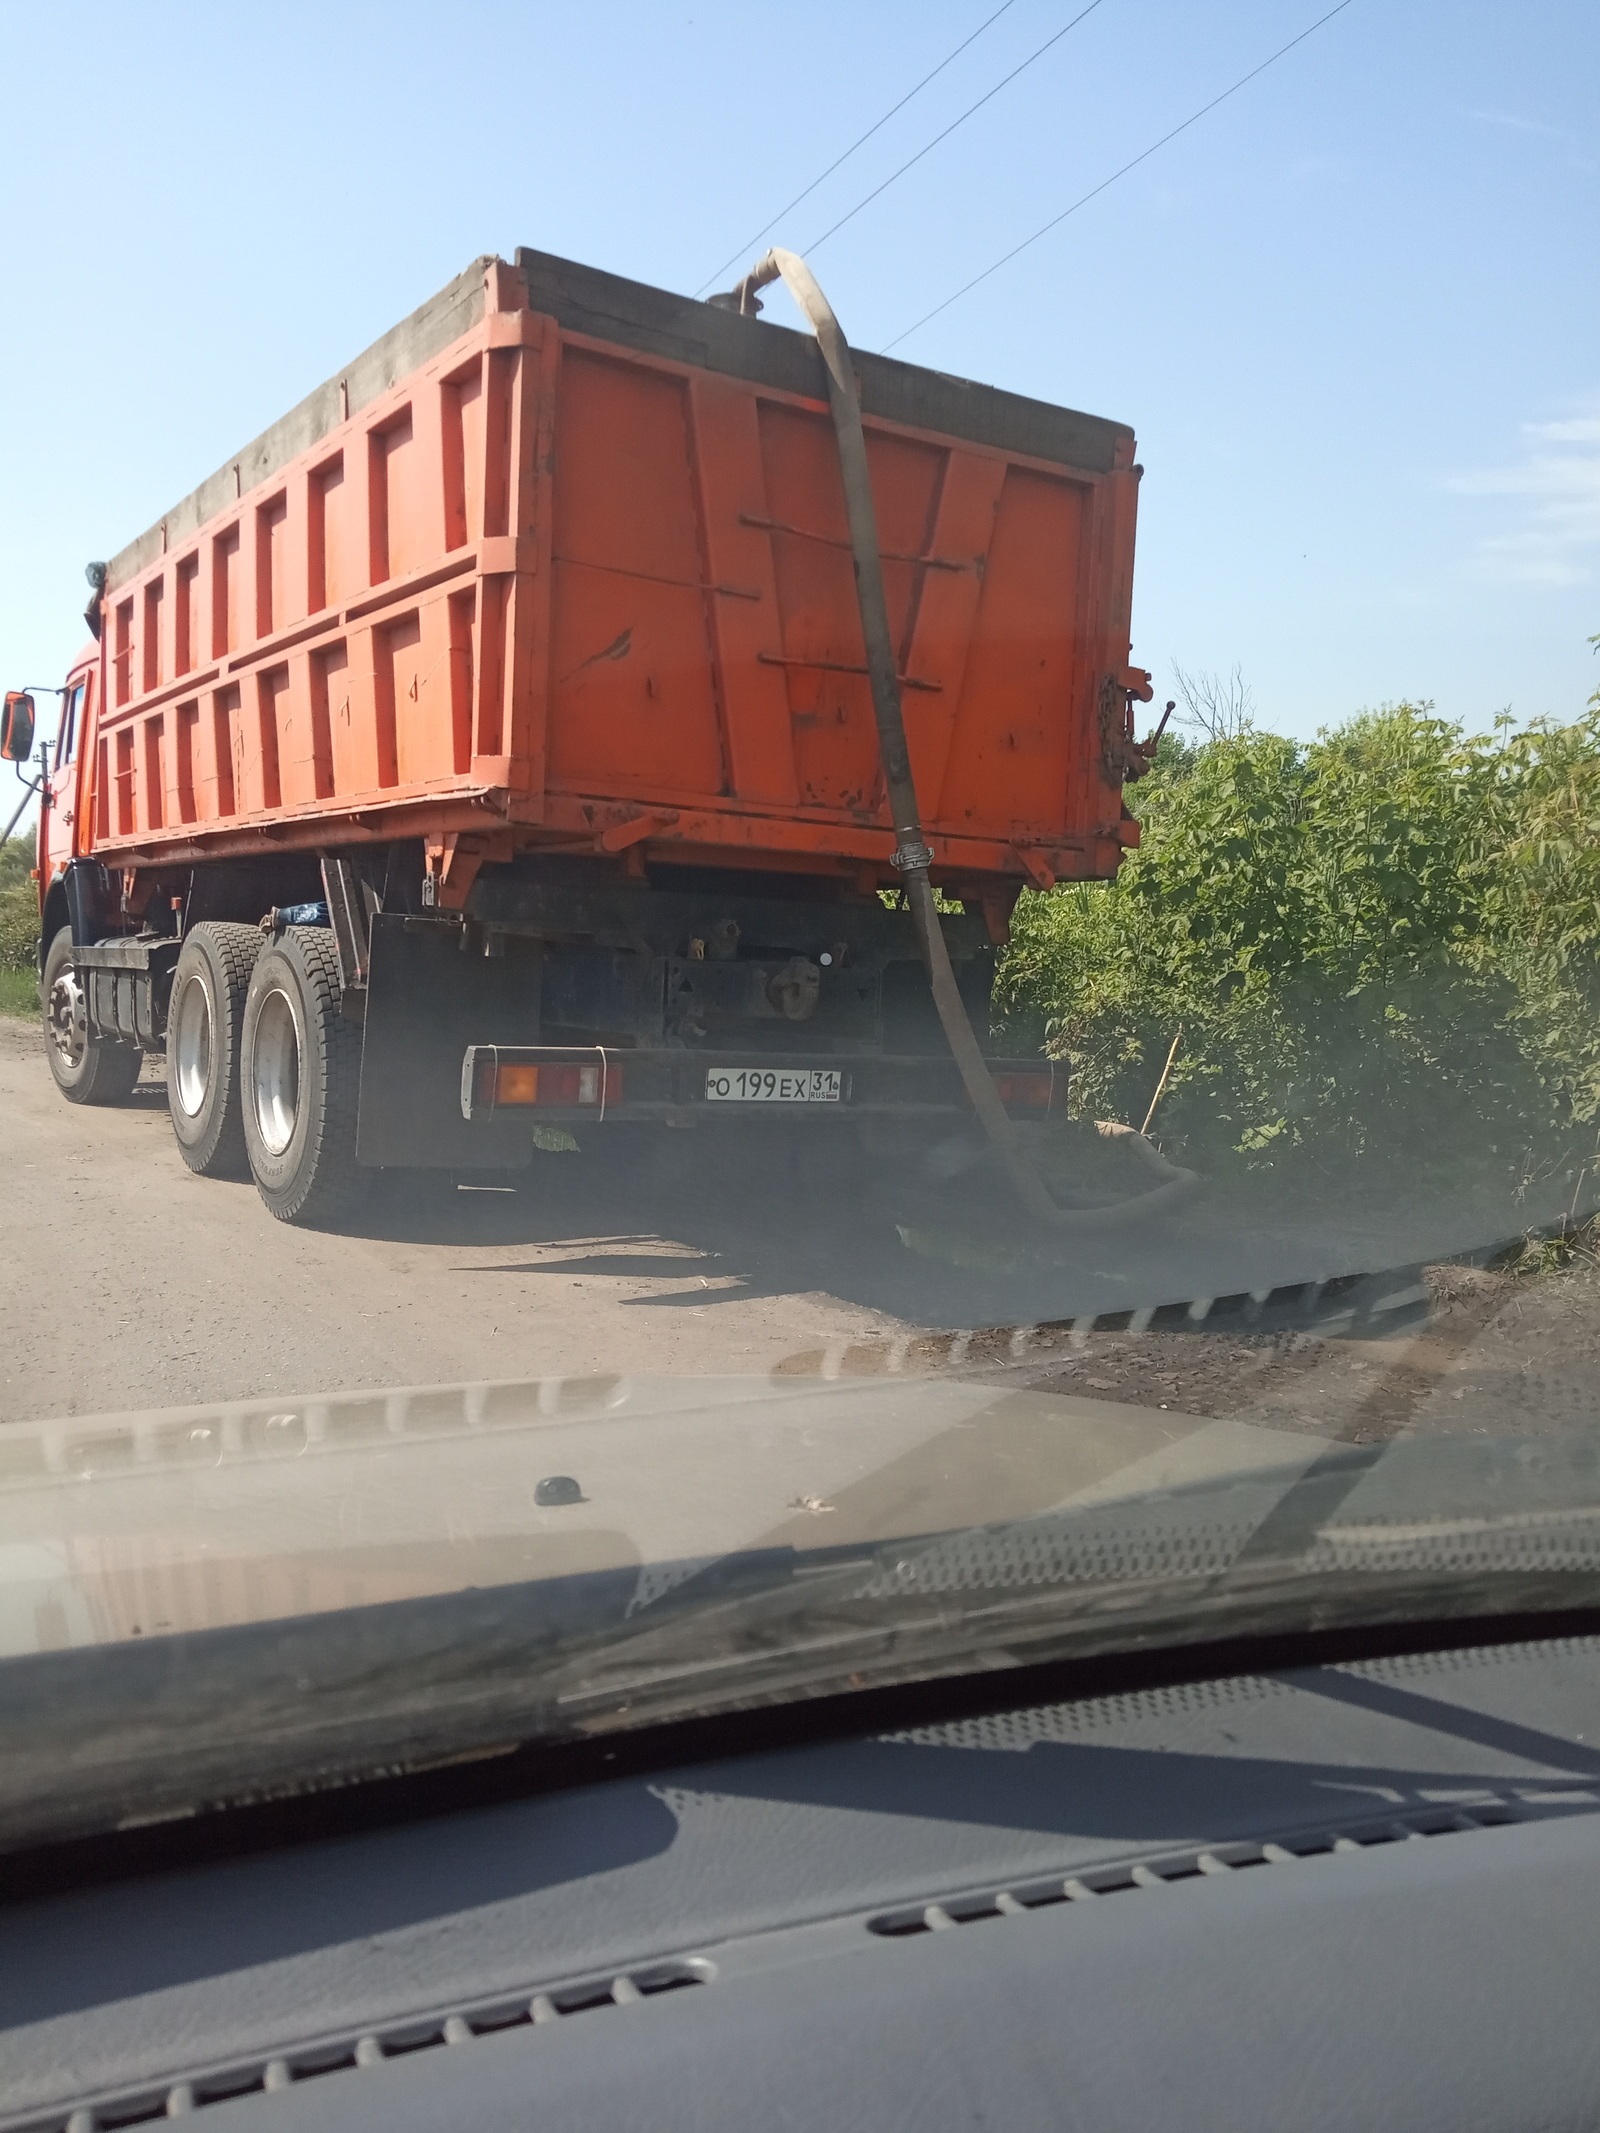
[[16, 730]]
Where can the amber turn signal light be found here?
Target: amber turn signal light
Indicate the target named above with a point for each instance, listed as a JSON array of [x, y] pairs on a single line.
[[516, 1085]]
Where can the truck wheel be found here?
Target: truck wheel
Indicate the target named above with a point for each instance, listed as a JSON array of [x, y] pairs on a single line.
[[87, 1069], [204, 1019], [300, 1072]]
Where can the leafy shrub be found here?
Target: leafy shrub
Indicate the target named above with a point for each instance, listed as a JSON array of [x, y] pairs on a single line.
[[19, 903], [1541, 902], [1380, 944]]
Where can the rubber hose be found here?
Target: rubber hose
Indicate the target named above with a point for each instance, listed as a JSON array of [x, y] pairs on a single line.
[[912, 856]]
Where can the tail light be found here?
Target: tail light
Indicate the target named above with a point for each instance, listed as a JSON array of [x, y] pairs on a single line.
[[1029, 1088], [514, 1085], [567, 1085], [1026, 1092], [492, 1083]]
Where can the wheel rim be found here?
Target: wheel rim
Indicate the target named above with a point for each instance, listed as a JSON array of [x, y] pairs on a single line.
[[67, 1018], [191, 1045], [275, 1071]]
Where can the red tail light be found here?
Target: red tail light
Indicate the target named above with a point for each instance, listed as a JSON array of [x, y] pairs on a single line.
[[498, 1084], [1027, 1092]]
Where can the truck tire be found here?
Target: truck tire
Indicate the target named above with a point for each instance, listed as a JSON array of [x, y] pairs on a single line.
[[87, 1069], [205, 1019], [299, 1076]]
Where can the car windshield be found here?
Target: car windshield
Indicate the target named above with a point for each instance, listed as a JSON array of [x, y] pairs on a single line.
[[737, 985]]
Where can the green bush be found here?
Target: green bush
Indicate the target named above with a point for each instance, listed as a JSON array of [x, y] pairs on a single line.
[[19, 925], [1380, 944], [1541, 902], [19, 905]]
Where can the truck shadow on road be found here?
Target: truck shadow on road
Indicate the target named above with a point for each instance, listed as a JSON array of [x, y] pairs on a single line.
[[704, 1230], [732, 1230]]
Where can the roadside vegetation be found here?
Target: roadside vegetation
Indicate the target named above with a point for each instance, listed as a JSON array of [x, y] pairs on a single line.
[[19, 926], [1381, 946]]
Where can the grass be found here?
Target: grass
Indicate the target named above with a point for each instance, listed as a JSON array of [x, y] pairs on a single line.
[[19, 994], [1552, 1251]]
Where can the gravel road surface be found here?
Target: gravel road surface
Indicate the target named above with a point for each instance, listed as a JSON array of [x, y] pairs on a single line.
[[132, 1284], [135, 1284]]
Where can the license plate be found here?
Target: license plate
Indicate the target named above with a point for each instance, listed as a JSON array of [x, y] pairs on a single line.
[[773, 1085]]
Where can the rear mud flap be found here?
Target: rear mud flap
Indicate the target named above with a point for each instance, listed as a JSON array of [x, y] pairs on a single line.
[[428, 998]]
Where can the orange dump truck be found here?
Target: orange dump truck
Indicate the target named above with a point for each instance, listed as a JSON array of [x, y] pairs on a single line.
[[510, 693]]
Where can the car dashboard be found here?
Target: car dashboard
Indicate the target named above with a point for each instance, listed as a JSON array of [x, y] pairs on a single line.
[[1345, 1894]]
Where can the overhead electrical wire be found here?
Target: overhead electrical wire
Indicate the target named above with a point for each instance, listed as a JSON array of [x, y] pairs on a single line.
[[1143, 156], [734, 258], [950, 129]]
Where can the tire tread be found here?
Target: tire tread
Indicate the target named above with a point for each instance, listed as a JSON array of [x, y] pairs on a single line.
[[331, 1182], [237, 949]]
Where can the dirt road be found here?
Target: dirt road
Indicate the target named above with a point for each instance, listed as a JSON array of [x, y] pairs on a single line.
[[130, 1283]]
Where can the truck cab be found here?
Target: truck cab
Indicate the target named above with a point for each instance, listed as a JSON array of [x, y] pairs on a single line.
[[91, 1063], [58, 826]]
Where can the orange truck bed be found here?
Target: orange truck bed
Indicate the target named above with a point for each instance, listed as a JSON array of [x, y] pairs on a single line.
[[561, 564]]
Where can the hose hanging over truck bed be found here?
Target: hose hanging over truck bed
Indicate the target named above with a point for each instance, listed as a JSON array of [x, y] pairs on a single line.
[[912, 856]]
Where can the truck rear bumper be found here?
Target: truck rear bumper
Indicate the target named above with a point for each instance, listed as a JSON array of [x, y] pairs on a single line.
[[434, 1010], [571, 1085]]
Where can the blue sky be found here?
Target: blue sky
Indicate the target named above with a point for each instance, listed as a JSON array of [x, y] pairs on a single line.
[[1354, 314]]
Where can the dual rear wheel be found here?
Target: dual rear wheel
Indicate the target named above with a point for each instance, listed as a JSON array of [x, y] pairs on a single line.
[[263, 1069], [205, 1013]]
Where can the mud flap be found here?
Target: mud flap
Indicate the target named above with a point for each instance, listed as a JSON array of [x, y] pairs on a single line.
[[428, 997]]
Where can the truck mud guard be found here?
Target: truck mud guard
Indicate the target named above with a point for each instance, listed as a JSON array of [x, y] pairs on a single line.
[[125, 985]]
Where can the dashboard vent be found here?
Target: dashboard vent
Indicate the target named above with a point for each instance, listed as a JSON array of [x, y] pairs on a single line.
[[176, 2097], [1170, 1868]]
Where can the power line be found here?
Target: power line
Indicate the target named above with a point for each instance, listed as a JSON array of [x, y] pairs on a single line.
[[1045, 228], [744, 249], [954, 123]]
